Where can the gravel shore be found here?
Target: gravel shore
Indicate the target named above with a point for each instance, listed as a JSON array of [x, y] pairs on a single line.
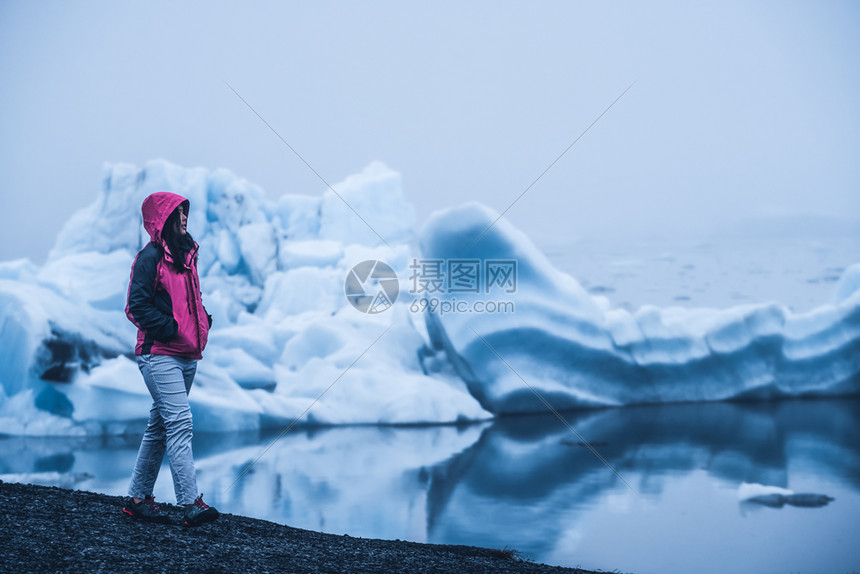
[[48, 529]]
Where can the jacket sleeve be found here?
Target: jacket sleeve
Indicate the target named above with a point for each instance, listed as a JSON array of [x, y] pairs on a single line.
[[141, 309]]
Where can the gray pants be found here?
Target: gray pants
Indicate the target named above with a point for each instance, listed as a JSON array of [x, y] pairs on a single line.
[[169, 381]]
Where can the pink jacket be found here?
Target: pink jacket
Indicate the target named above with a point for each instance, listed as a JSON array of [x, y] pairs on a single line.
[[164, 304]]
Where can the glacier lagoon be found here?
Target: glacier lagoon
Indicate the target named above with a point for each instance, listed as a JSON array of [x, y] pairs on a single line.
[[527, 483], [273, 275]]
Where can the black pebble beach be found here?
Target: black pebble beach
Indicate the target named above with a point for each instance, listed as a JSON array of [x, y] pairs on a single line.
[[49, 529]]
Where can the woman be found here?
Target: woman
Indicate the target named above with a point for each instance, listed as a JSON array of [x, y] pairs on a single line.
[[164, 303]]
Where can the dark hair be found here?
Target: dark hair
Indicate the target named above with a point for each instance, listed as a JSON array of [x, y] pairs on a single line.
[[178, 244]]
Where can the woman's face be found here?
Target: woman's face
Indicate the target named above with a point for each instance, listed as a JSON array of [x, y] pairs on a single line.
[[182, 222]]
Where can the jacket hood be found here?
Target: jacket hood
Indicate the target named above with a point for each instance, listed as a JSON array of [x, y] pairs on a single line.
[[157, 208]]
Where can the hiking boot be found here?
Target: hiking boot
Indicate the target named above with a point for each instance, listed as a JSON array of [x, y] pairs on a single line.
[[198, 513], [147, 509]]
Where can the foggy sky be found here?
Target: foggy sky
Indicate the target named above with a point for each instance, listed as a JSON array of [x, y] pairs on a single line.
[[736, 109]]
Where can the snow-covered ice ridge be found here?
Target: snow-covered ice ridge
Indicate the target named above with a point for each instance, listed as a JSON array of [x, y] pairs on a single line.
[[575, 350], [285, 337]]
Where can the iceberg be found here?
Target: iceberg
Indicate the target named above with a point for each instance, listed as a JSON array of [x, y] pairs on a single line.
[[287, 346], [777, 497], [566, 348]]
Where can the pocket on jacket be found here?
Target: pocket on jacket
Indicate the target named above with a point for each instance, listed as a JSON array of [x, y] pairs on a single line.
[[162, 302]]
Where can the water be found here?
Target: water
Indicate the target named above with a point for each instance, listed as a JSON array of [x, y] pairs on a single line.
[[528, 483], [718, 271]]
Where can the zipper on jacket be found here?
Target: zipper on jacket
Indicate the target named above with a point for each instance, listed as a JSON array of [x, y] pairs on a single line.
[[193, 296]]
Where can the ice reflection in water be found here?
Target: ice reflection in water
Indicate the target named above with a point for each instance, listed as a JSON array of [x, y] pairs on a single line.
[[527, 483]]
